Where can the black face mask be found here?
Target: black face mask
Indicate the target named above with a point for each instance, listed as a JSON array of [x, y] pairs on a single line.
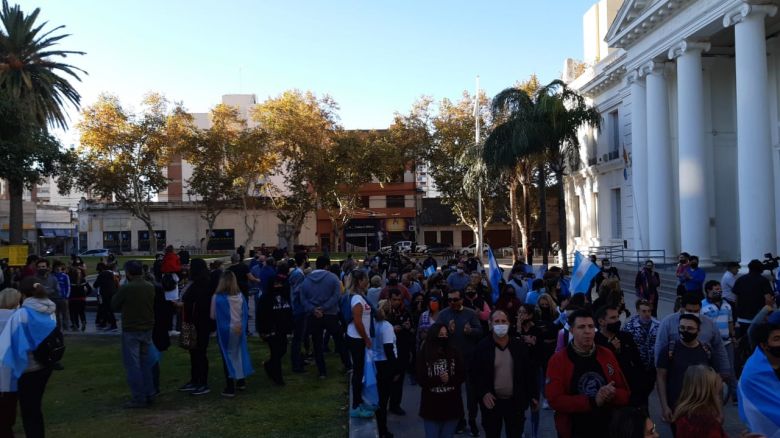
[[613, 327], [392, 282], [688, 336], [42, 272], [471, 294], [443, 342], [716, 296], [694, 265], [774, 351]]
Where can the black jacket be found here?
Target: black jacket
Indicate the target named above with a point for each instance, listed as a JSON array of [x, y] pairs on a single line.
[[525, 385], [631, 364], [197, 309], [274, 313]]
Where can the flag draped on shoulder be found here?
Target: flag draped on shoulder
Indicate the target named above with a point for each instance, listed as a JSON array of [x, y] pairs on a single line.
[[584, 271], [758, 389], [23, 332], [494, 275], [231, 336]]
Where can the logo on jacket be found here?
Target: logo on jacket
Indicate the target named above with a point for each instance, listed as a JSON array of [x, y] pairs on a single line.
[[610, 369], [590, 383]]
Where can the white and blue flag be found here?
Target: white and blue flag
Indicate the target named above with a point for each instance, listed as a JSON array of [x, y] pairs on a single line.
[[584, 271], [23, 332], [494, 275], [430, 270], [758, 391]]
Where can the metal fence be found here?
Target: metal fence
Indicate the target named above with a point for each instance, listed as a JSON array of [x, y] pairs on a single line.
[[617, 254]]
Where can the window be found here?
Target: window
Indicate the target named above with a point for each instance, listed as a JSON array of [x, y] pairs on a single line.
[[395, 201], [614, 138], [429, 237], [143, 240], [364, 201], [446, 237], [576, 212], [222, 240], [617, 215], [595, 229]]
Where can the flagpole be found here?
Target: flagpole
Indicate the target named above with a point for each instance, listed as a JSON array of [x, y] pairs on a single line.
[[479, 188]]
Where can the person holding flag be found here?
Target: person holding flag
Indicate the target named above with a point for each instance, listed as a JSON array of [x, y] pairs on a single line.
[[584, 271], [495, 276], [25, 330]]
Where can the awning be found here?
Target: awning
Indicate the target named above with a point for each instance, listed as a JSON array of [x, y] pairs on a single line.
[[56, 232]]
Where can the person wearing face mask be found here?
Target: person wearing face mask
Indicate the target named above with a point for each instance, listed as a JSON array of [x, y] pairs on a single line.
[[668, 333], [759, 385], [625, 350], [465, 331], [518, 283], [440, 373], [503, 379], [719, 311], [509, 303], [458, 279], [394, 283], [675, 358], [646, 285], [428, 317], [477, 303], [693, 277], [644, 329]]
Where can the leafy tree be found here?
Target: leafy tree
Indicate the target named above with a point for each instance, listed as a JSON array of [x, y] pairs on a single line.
[[122, 155], [34, 89], [538, 125], [452, 157], [251, 162], [300, 127], [210, 151]]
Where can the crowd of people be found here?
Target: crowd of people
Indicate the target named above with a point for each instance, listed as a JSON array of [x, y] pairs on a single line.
[[475, 351]]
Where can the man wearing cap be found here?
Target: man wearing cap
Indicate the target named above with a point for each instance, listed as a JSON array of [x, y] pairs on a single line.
[[135, 300]]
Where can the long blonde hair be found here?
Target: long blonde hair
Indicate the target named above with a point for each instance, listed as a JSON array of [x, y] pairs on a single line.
[[700, 393], [550, 300], [228, 284]]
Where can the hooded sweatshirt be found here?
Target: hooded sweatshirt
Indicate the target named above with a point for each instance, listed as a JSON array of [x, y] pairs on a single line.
[[322, 289], [40, 305]]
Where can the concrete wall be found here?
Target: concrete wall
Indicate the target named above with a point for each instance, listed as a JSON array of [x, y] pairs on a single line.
[[185, 227]]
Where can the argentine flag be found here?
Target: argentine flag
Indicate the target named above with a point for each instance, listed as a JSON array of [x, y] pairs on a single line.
[[430, 270], [495, 275], [584, 271], [758, 389]]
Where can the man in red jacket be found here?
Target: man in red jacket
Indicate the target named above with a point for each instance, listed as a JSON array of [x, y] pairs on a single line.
[[584, 382]]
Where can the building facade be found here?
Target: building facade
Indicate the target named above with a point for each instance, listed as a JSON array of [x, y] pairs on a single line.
[[688, 155]]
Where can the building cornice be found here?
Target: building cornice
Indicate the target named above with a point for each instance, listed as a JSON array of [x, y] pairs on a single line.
[[625, 34]]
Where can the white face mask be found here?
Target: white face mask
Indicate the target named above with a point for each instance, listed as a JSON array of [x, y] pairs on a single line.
[[501, 330]]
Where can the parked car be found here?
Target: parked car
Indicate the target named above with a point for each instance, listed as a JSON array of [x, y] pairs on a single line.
[[102, 252], [439, 249], [403, 246], [472, 248]]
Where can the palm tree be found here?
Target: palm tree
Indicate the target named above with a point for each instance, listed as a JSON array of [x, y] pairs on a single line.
[[36, 85], [540, 127]]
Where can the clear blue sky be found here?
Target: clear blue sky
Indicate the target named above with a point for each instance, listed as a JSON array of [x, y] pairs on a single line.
[[374, 57]]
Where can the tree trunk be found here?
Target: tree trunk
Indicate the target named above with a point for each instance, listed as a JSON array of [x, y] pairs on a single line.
[[513, 216], [16, 213], [563, 246], [249, 227], [526, 227], [543, 214], [152, 237], [210, 226]]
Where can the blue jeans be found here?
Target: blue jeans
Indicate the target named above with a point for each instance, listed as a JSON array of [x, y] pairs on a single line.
[[135, 352], [440, 429]]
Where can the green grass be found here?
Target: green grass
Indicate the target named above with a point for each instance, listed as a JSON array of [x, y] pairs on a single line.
[[85, 399]]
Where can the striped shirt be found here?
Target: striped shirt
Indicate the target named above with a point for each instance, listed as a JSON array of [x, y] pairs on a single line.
[[721, 315]]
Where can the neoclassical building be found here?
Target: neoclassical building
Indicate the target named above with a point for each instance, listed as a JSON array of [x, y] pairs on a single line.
[[688, 155]]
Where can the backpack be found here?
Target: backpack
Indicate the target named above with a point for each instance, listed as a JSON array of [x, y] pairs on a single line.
[[704, 345], [168, 283], [51, 349], [345, 304]]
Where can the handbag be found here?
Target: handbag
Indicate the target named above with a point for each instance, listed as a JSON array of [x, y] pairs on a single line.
[[188, 338]]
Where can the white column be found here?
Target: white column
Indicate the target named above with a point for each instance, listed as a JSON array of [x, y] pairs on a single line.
[[694, 208], [660, 201], [754, 162], [639, 158]]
